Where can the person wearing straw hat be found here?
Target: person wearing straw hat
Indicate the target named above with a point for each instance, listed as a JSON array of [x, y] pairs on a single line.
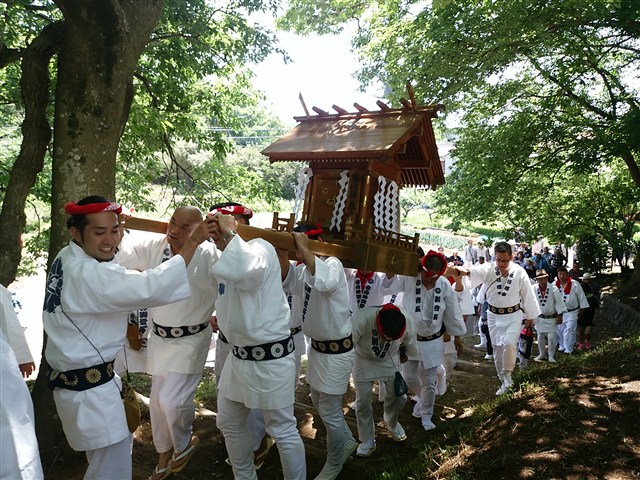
[[551, 309], [585, 322]]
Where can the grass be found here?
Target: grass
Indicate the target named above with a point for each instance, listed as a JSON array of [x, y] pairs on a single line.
[[502, 432]]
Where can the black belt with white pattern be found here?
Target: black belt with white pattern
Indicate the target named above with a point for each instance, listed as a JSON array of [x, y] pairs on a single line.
[[548, 316], [177, 332], [81, 379], [295, 330], [266, 351], [572, 309], [222, 337], [504, 310], [428, 338], [342, 345]]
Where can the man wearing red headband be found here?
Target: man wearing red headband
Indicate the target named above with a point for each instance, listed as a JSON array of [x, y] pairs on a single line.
[[383, 338], [179, 339], [511, 299], [259, 374], [84, 317], [261, 443], [322, 285], [432, 303]]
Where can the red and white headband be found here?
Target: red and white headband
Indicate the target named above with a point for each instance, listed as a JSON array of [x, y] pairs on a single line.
[[429, 273], [233, 210], [72, 208]]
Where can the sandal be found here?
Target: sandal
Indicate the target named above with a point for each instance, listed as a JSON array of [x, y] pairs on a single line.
[[179, 462], [161, 473]]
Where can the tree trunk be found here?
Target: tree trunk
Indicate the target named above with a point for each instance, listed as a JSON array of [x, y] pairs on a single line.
[[102, 43], [36, 134]]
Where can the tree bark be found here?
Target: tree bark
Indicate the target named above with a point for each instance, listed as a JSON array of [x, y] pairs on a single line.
[[36, 135]]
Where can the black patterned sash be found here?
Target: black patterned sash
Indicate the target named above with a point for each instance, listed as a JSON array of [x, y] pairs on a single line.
[[81, 379], [178, 332], [266, 351], [342, 345]]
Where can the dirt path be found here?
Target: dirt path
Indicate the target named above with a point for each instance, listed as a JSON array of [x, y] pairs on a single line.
[[473, 381]]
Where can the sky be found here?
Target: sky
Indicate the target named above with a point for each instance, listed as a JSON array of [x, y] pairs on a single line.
[[322, 70]]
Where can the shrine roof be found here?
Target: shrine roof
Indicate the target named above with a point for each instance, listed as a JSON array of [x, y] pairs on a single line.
[[402, 137]]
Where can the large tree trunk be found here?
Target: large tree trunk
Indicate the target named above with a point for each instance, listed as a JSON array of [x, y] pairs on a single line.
[[102, 43], [36, 134]]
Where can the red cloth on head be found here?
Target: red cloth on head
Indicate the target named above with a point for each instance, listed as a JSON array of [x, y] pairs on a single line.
[[233, 210], [316, 231], [72, 208], [432, 253]]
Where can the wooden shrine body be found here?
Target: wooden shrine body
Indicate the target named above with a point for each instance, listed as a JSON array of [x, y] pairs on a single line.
[[377, 153]]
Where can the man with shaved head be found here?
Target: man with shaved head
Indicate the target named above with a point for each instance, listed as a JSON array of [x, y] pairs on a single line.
[[179, 340]]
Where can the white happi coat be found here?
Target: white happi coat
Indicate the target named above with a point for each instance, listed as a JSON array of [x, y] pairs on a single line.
[[19, 455], [575, 299], [185, 354], [371, 294], [252, 310], [12, 329], [420, 303], [520, 292], [326, 317], [550, 303], [97, 296], [367, 365]]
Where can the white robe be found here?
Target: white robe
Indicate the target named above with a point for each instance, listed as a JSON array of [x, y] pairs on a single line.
[[326, 317], [575, 299], [252, 310], [19, 455], [375, 290], [96, 296], [185, 354], [431, 352], [550, 304], [367, 365]]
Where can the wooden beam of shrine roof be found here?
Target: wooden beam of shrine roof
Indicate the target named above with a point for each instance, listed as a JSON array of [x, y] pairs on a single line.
[[358, 137], [282, 240], [430, 110]]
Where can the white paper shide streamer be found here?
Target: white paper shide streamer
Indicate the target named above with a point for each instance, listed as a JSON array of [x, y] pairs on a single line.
[[304, 177], [341, 200]]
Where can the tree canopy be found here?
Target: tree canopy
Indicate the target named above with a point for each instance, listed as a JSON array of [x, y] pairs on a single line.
[[125, 81], [546, 96]]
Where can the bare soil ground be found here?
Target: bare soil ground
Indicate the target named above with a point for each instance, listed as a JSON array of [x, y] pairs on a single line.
[[581, 421]]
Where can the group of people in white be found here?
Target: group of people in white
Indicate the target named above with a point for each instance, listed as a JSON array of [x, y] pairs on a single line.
[[266, 310]]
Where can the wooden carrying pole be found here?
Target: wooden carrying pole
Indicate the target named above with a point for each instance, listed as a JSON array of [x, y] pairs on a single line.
[[281, 240]]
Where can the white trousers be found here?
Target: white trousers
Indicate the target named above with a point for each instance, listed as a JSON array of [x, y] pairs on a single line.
[[428, 379], [553, 343], [410, 375], [364, 408], [330, 409], [504, 338], [567, 334], [112, 462], [172, 410], [281, 424]]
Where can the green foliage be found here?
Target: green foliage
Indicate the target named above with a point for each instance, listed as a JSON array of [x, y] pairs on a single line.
[[593, 253], [545, 97]]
